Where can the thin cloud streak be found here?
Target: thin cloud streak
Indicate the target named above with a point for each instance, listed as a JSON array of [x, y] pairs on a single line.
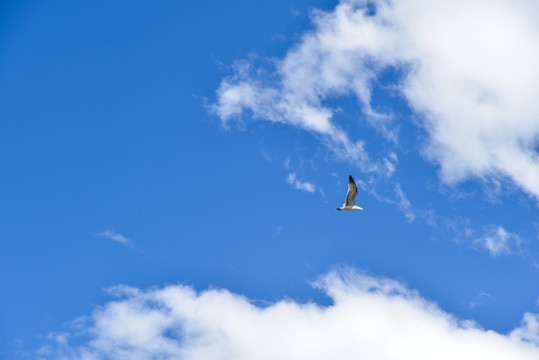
[[404, 204], [111, 235]]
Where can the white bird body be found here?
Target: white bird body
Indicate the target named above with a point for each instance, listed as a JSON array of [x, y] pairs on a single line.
[[350, 208], [350, 204]]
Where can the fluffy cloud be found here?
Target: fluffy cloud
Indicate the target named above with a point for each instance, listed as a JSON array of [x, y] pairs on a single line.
[[469, 70], [370, 318], [528, 330]]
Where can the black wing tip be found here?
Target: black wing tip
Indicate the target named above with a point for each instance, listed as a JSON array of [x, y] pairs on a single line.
[[351, 179], [339, 209]]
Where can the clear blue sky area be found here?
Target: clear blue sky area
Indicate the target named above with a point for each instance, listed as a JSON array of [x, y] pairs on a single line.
[[105, 130]]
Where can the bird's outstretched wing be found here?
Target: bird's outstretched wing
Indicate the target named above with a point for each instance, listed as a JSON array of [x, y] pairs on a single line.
[[352, 192]]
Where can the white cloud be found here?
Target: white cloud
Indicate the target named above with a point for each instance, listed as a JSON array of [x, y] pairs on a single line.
[[497, 240], [265, 155], [404, 204], [371, 318], [294, 100], [110, 234], [300, 185], [287, 162], [400, 199], [528, 330], [470, 71]]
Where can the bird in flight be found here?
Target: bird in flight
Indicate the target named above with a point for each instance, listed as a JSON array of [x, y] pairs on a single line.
[[350, 204]]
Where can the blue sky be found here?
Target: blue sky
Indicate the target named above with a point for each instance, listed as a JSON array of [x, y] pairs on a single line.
[[204, 147]]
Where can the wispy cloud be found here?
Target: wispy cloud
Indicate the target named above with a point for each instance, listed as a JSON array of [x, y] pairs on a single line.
[[294, 99], [300, 185], [265, 155], [496, 240], [370, 318], [479, 299], [404, 204], [286, 162], [111, 235], [467, 69]]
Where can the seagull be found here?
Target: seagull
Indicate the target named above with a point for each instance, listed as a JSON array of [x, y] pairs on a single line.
[[350, 204]]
